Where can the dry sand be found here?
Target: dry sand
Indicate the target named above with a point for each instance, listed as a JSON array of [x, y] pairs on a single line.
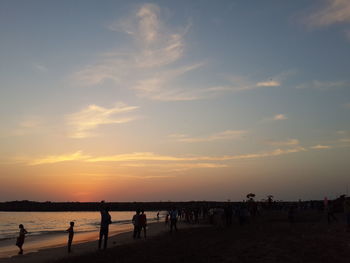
[[268, 239]]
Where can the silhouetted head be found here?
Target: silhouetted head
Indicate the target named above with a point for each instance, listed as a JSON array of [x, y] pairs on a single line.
[[21, 226], [142, 211], [138, 211], [71, 223], [102, 206]]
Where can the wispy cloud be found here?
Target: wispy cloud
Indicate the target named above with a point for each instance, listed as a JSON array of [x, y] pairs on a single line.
[[153, 46], [225, 135], [82, 123], [159, 87], [176, 163], [137, 156], [159, 44], [344, 140], [346, 105], [288, 142], [277, 117], [154, 59], [28, 126], [146, 177], [40, 67], [324, 85], [175, 167], [149, 59], [153, 157], [331, 12], [270, 83], [51, 159], [239, 83], [320, 147]]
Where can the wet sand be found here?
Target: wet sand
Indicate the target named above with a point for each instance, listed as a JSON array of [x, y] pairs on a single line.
[[50, 254]]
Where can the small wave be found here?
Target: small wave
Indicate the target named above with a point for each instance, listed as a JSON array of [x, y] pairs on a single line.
[[121, 222], [6, 238], [116, 222]]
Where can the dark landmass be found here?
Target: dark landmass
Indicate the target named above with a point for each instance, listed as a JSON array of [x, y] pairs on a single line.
[[95, 206], [48, 206], [269, 238], [128, 206]]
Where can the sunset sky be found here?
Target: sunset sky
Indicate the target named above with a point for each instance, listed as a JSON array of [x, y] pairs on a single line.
[[174, 100]]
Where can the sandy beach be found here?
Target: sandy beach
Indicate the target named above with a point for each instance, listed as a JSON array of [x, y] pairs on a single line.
[[268, 238], [87, 245]]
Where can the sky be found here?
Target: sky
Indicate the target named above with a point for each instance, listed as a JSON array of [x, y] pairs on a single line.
[[174, 100]]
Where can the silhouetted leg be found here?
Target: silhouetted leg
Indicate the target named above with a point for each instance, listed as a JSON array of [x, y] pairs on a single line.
[[100, 239], [334, 217], [135, 232], [139, 232], [105, 241], [70, 239], [20, 250]]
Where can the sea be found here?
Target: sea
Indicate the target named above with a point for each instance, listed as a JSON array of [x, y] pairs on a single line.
[[48, 229]]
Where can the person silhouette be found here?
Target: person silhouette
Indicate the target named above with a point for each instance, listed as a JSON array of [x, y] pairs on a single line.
[[70, 231], [20, 238], [136, 223], [347, 212], [173, 219], [143, 222], [104, 227]]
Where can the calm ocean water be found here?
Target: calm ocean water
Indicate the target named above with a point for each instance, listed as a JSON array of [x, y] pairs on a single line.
[[46, 223]]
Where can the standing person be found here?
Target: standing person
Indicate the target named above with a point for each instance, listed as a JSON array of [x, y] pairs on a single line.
[[291, 214], [347, 212], [330, 212], [173, 220], [167, 219], [104, 227], [70, 231], [158, 216], [228, 214], [143, 222], [20, 238], [136, 223]]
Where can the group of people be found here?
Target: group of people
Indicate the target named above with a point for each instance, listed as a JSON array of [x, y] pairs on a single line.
[[139, 221], [173, 214], [22, 234]]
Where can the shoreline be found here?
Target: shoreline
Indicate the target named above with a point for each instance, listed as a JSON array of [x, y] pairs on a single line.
[[36, 243], [89, 244]]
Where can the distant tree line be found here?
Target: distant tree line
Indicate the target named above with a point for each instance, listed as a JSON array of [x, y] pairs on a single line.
[[26, 205], [268, 203]]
